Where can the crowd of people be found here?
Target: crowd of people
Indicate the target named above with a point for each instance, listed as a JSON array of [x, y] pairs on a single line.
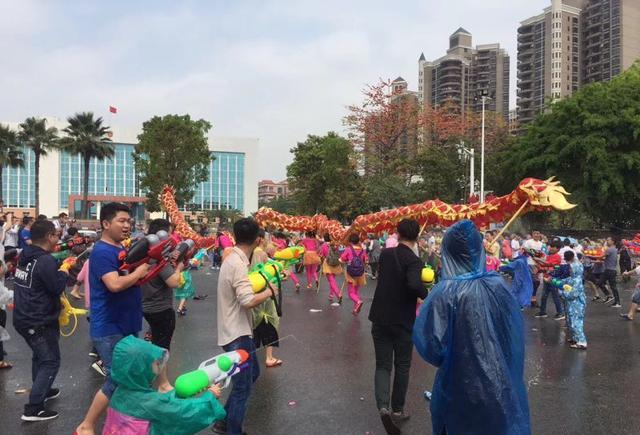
[[469, 293]]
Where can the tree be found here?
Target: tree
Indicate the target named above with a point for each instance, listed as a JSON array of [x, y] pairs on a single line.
[[323, 177], [35, 135], [88, 137], [172, 150], [591, 142], [225, 217], [287, 205], [10, 153]]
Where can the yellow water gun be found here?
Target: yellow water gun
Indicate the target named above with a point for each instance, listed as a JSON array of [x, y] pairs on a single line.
[[67, 313]]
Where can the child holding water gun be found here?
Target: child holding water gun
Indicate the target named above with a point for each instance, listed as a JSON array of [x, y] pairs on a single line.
[[137, 408]]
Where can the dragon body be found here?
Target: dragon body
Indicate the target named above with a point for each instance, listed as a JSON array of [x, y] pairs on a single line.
[[531, 195]]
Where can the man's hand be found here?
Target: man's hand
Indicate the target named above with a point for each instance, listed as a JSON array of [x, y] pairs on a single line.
[[142, 270], [216, 390], [179, 267]]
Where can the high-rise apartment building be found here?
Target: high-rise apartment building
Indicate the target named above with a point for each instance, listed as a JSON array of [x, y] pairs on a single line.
[[573, 43], [465, 73]]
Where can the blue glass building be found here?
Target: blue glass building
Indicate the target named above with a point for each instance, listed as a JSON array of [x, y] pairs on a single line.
[[19, 184], [225, 187]]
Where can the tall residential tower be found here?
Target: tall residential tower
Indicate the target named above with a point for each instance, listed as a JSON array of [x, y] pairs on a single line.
[[465, 73]]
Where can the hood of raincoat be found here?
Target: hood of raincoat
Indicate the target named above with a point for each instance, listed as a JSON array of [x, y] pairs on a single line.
[[470, 327], [135, 397], [132, 363], [462, 252]]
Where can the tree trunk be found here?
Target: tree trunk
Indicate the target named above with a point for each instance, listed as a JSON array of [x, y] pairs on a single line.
[[37, 204], [85, 188]]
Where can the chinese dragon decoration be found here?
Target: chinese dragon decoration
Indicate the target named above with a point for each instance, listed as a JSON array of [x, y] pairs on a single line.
[[182, 227], [530, 195]]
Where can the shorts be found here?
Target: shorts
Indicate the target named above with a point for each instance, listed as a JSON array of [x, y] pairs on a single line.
[[105, 346], [265, 334]]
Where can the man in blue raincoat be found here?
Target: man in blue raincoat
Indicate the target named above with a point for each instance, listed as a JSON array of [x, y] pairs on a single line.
[[471, 328], [521, 285]]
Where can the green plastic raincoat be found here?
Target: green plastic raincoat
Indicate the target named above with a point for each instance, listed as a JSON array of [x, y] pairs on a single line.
[[135, 397]]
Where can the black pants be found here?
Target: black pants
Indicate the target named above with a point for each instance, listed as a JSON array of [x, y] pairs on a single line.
[[3, 323], [609, 276], [374, 268], [45, 363], [162, 326], [393, 346]]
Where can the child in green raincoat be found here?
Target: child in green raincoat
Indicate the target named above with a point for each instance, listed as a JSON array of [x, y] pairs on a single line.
[[184, 292], [137, 408]]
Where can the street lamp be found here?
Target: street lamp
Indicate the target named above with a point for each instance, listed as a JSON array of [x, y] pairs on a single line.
[[472, 171], [484, 95]]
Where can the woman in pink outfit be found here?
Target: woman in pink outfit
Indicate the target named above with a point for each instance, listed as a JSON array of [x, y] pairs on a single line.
[[281, 242], [355, 258], [331, 267], [311, 258]]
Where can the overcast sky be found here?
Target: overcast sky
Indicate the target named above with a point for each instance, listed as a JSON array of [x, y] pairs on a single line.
[[276, 70]]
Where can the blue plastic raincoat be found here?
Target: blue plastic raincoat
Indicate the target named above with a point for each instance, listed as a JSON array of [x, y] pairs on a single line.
[[521, 284], [471, 328]]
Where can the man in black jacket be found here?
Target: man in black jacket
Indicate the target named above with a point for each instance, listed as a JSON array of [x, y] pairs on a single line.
[[38, 286], [393, 313]]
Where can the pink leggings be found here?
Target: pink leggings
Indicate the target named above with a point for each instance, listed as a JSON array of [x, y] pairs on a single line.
[[334, 290], [293, 276], [312, 273], [353, 293]]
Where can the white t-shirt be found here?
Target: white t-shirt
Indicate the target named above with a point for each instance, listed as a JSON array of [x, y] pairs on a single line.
[[11, 237], [515, 247], [533, 245], [577, 249]]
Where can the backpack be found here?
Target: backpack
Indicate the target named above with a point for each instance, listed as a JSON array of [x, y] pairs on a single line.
[[333, 258], [355, 268]]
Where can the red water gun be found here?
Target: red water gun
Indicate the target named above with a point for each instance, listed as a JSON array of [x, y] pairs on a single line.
[[158, 250], [73, 243]]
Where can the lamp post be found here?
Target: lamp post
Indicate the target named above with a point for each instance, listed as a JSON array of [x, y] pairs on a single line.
[[484, 99], [472, 171]]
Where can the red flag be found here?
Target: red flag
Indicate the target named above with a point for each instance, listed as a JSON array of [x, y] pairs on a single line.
[[113, 109]]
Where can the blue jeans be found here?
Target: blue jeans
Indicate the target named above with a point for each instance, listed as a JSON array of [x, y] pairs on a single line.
[[105, 346], [45, 363], [236, 405], [548, 288]]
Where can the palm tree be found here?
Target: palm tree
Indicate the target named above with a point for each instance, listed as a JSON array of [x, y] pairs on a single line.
[[89, 138], [10, 153], [35, 135]]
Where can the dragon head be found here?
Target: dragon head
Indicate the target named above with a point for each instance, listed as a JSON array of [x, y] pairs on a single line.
[[546, 193]]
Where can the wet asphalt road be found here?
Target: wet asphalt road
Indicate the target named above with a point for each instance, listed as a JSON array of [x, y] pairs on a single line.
[[325, 385]]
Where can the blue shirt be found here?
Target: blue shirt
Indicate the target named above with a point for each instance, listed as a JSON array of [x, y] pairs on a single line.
[[111, 313], [23, 237]]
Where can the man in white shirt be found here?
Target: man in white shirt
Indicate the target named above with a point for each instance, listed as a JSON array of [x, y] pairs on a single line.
[[11, 229], [566, 246], [515, 245]]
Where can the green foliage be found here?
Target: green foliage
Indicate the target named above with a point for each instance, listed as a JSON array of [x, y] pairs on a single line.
[[172, 150], [323, 177], [591, 142], [86, 136], [287, 205], [10, 153], [225, 218]]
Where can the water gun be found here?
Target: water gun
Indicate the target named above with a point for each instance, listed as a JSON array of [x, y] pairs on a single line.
[[265, 273], [67, 313], [289, 256], [428, 275], [72, 243], [216, 370], [155, 249], [197, 260], [62, 255]]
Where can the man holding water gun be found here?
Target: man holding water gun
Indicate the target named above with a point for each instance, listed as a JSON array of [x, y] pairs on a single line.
[[236, 298]]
